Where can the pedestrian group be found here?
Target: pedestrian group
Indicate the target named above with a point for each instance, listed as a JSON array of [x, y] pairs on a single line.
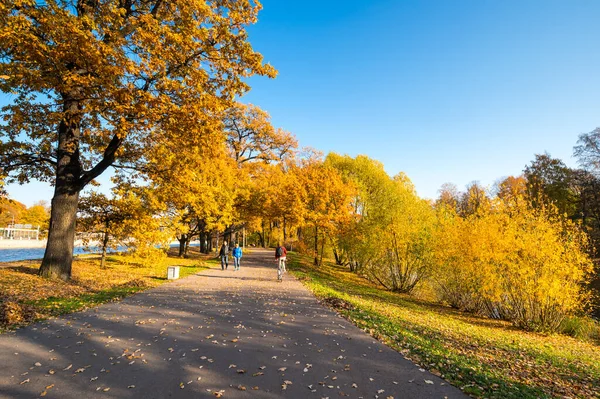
[[280, 258]]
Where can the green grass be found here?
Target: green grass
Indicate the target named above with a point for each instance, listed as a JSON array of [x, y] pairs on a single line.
[[54, 306], [485, 358]]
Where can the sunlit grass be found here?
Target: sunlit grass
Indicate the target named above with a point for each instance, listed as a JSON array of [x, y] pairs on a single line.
[[485, 358], [25, 297]]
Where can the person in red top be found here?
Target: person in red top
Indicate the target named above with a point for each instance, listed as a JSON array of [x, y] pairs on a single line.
[[280, 257]]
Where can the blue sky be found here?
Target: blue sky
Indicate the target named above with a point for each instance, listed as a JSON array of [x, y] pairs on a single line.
[[445, 91]]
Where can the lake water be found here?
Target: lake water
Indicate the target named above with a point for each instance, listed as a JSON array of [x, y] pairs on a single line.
[[14, 254]]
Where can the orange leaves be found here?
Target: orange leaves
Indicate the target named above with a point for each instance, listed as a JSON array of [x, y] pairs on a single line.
[[136, 71], [327, 196]]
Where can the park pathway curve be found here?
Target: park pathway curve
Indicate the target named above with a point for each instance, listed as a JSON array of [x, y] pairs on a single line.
[[229, 334]]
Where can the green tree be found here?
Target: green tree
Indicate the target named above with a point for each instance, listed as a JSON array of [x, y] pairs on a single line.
[[549, 179]]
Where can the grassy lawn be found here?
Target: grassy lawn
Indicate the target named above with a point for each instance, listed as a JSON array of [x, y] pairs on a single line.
[[26, 297], [485, 358]]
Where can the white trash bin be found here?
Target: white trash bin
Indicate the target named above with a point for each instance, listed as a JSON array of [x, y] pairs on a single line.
[[172, 272]]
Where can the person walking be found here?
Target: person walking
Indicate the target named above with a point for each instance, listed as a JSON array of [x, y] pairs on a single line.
[[280, 258], [224, 254], [237, 256]]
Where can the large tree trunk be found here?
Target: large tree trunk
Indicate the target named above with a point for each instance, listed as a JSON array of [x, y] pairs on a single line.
[[204, 242], [182, 240], [337, 256], [58, 256]]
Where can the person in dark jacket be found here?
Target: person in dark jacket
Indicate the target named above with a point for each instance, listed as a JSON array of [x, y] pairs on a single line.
[[224, 254]]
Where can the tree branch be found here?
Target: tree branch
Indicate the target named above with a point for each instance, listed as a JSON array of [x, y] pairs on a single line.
[[107, 160]]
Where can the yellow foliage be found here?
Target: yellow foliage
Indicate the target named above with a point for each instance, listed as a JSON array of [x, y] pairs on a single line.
[[513, 261]]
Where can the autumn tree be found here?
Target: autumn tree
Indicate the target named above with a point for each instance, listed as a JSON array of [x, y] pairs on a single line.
[[196, 184], [550, 180], [448, 196], [253, 142], [95, 80], [473, 200], [388, 236], [10, 211], [252, 137], [511, 188], [371, 204], [37, 215], [327, 202], [586, 189], [100, 215], [587, 150], [270, 201]]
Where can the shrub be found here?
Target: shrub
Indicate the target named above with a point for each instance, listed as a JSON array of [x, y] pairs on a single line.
[[581, 327], [512, 261]]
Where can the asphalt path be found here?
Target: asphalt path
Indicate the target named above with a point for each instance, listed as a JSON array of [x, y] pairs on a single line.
[[230, 334]]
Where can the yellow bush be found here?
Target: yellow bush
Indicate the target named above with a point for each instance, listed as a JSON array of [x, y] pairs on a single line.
[[513, 261]]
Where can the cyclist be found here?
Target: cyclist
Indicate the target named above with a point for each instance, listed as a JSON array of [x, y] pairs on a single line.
[[280, 257]]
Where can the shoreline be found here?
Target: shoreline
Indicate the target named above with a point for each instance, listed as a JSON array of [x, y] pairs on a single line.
[[22, 244], [37, 244]]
